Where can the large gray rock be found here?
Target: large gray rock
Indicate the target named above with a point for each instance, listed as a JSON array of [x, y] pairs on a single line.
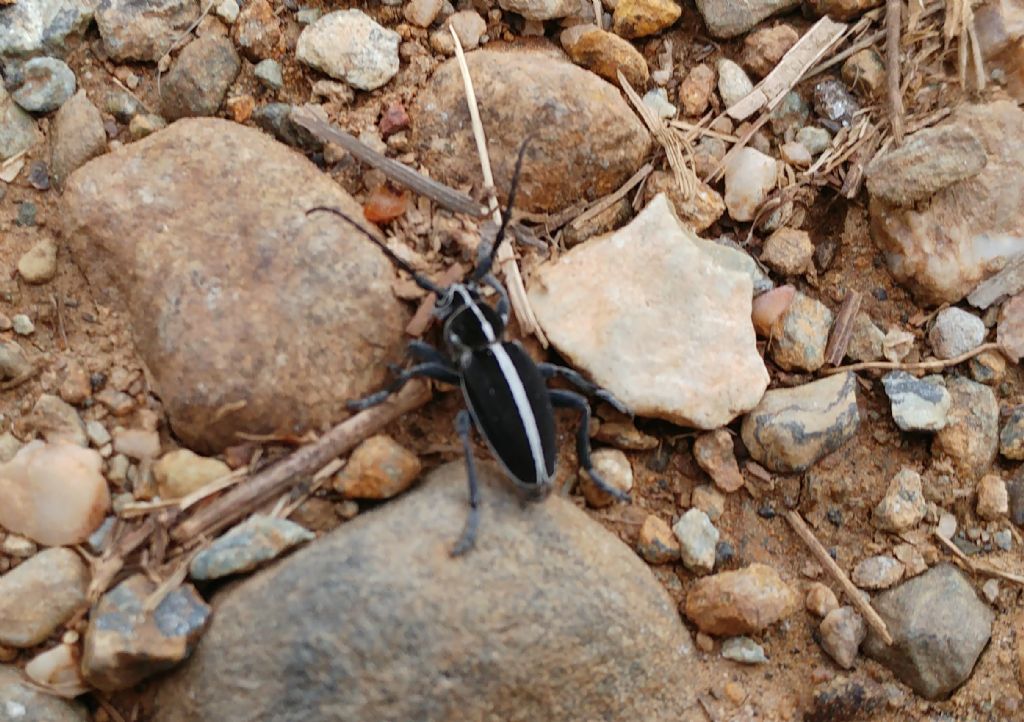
[[31, 27], [549, 618], [200, 78], [658, 317], [250, 315], [939, 626], [729, 18], [21, 701], [522, 92]]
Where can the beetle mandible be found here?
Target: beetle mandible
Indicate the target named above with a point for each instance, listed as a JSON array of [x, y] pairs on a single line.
[[504, 390]]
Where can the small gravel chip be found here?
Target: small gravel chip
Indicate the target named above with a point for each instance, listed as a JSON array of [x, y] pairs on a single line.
[[744, 650], [23, 325], [269, 73]]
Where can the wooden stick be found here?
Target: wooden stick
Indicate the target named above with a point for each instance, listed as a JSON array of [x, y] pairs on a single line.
[[256, 491], [935, 365], [978, 566], [852, 593], [441, 194], [893, 26], [843, 328], [506, 258]]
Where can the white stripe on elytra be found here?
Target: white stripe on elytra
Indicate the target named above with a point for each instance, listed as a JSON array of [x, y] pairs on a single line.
[[488, 331], [515, 385]]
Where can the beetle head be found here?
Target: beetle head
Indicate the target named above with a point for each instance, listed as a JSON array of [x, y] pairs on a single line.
[[470, 324]]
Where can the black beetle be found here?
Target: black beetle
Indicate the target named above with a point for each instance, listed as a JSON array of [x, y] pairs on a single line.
[[504, 389]]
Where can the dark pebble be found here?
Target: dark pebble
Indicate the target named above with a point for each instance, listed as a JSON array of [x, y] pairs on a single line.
[[880, 294], [39, 176], [723, 553], [835, 516], [276, 119], [1015, 489], [26, 214], [98, 380], [766, 512]]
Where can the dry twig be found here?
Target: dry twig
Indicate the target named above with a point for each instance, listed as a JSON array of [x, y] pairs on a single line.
[[267, 484], [933, 365], [826, 561], [978, 567], [893, 26], [506, 258], [843, 328]]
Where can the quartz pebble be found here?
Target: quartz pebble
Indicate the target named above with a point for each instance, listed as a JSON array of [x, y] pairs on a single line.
[[749, 176], [993, 498], [58, 670], [804, 335], [955, 332], [788, 251], [136, 443], [842, 632], [820, 599], [613, 466], [696, 89], [422, 12], [39, 263], [733, 83], [379, 468], [697, 539], [714, 454], [255, 541], [877, 572], [903, 506], [917, 404], [180, 472], [740, 602], [53, 493], [656, 542], [350, 46], [40, 595], [743, 650]]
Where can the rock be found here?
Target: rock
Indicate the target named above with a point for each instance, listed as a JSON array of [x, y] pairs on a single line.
[[258, 33], [814, 139], [656, 542], [269, 73], [770, 308], [23, 701], [729, 18], [937, 610], [804, 335], [743, 650], [796, 154], [842, 631], [820, 600], [350, 46], [903, 506], [683, 300], [971, 435], [714, 454], [917, 404], [844, 700], [733, 83], [56, 420], [1015, 491], [788, 251], [605, 54], [22, 325], [125, 643], [790, 115], [422, 12], [657, 100], [745, 601], [993, 498], [765, 47], [541, 9], [1010, 332], [519, 92], [221, 334], [955, 332], [698, 211], [709, 500], [144, 125], [878, 572], [54, 493], [912, 560], [866, 70], [39, 595], [257, 540], [140, 444], [1011, 438], [143, 29], [749, 178], [614, 468], [41, 26], [58, 671], [13, 361], [967, 230], [639, 18], [379, 468], [792, 428], [18, 131], [469, 27], [946, 527], [180, 472], [424, 644], [695, 91], [842, 9], [44, 84], [624, 435], [697, 539], [76, 136], [227, 10], [39, 263], [1004, 283], [834, 102], [200, 78]]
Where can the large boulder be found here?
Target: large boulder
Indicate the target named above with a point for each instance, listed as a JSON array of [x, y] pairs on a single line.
[[250, 315], [536, 93], [549, 618]]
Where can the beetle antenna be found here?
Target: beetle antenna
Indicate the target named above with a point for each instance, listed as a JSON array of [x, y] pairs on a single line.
[[484, 268], [421, 281]]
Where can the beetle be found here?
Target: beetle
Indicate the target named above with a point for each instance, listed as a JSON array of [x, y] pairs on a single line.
[[506, 396]]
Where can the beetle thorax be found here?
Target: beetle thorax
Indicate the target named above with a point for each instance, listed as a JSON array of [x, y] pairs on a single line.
[[470, 323]]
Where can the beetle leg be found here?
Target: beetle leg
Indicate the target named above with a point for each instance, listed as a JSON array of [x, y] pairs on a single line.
[[464, 425], [549, 370], [572, 400], [423, 351], [436, 371], [494, 283]]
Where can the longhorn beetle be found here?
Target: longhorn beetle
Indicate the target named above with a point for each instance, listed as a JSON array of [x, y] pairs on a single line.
[[504, 390]]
